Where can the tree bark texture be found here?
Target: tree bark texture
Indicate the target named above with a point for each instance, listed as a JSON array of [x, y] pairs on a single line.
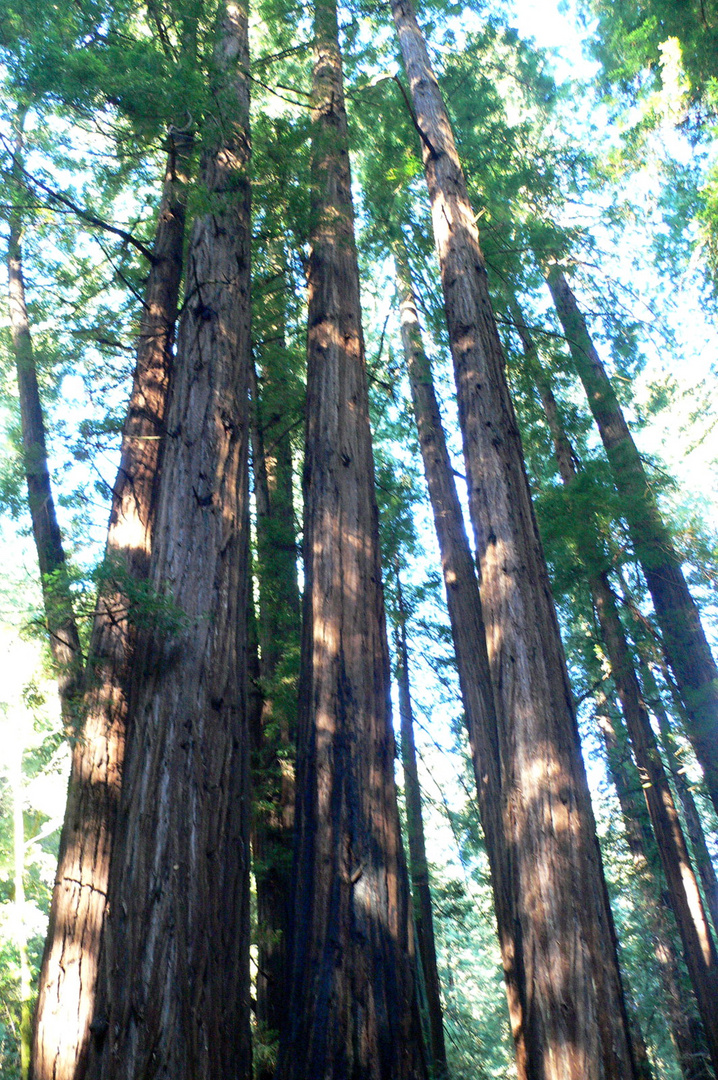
[[57, 599], [686, 646], [69, 965], [353, 1009], [274, 740], [468, 634], [175, 1002], [685, 897], [573, 1013], [418, 865]]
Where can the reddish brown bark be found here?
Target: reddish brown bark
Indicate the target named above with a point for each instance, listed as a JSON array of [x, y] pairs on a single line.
[[678, 618], [685, 898], [353, 1010], [573, 1012], [467, 630], [69, 966], [176, 967], [684, 1025], [698, 945]]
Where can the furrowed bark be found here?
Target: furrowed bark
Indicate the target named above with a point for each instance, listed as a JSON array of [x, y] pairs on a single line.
[[574, 1017], [685, 898], [353, 1010], [418, 865], [275, 739], [64, 639], [176, 962], [685, 642], [468, 634], [69, 966]]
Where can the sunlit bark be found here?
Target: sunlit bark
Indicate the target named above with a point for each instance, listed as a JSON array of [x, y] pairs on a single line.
[[467, 631], [175, 996], [353, 1009], [69, 966], [685, 897], [573, 1016]]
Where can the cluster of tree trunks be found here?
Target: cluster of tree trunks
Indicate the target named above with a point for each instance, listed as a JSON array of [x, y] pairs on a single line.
[[95, 700], [569, 1017], [146, 967], [353, 1008], [685, 897], [175, 994]]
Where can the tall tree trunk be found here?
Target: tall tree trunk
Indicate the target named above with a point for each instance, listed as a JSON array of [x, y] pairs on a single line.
[[685, 897], [69, 965], [694, 826], [685, 1028], [275, 739], [418, 865], [57, 599], [353, 1009], [685, 642], [176, 958], [573, 1013], [468, 634]]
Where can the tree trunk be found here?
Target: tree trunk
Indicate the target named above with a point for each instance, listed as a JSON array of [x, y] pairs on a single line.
[[69, 965], [353, 1009], [176, 961], [573, 1013], [57, 598], [685, 642], [694, 826], [275, 739], [685, 1028], [419, 868], [467, 630], [685, 898]]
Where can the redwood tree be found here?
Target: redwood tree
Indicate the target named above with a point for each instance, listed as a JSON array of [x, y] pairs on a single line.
[[683, 892], [467, 629], [685, 642], [68, 972], [175, 995], [353, 1009], [573, 1017]]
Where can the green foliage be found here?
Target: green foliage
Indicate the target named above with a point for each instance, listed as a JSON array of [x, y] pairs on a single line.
[[32, 779]]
